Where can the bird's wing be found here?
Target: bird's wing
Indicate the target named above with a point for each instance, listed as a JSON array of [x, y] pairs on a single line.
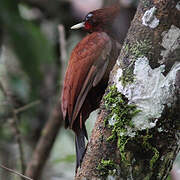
[[94, 76], [86, 68]]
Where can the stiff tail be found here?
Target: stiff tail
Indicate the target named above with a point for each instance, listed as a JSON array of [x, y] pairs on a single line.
[[80, 146]]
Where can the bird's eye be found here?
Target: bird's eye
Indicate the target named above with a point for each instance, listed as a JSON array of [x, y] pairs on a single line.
[[88, 17], [89, 22]]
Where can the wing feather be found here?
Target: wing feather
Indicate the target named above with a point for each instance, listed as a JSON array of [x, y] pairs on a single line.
[[86, 68]]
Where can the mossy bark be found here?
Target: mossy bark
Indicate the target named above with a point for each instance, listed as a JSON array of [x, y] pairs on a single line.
[[151, 152]]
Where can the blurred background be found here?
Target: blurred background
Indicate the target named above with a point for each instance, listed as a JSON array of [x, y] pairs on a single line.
[[35, 45]]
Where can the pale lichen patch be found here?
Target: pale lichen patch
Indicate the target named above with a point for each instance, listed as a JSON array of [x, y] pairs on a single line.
[[150, 91], [170, 41], [178, 6], [130, 132], [111, 177], [112, 120], [149, 18]]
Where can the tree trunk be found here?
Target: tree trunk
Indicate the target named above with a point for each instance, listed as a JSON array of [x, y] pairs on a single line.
[[137, 133]]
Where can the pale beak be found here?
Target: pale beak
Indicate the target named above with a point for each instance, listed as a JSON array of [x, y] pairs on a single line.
[[78, 26]]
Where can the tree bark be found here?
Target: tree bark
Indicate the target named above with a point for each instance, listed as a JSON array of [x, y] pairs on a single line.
[[137, 133]]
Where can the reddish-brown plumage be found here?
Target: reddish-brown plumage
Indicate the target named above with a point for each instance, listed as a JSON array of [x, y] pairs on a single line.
[[88, 72]]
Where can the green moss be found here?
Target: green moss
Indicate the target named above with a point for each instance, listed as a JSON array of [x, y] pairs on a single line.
[[155, 157], [127, 76], [148, 147], [120, 110], [126, 48], [140, 49], [122, 113], [122, 141], [146, 4], [136, 50], [144, 142], [107, 167]]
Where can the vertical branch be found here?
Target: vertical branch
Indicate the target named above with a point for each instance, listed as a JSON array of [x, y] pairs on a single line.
[[52, 126], [15, 128], [45, 144], [16, 131], [62, 50], [51, 129]]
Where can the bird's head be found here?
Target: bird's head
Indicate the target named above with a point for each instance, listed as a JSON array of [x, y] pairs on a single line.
[[98, 20]]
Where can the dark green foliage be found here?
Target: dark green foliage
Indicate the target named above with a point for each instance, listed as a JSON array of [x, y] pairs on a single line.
[[28, 42]]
